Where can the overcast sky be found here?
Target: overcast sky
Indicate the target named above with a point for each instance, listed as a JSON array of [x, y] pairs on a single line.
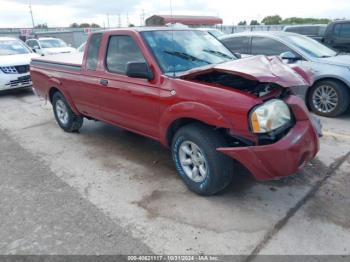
[[15, 13]]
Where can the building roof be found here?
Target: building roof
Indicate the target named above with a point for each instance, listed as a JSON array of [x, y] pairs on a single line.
[[183, 19]]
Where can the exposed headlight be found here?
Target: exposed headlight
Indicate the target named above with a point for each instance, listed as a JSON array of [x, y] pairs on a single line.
[[270, 116]]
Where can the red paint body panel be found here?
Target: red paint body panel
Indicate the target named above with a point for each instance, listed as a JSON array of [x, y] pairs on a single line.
[[151, 107]]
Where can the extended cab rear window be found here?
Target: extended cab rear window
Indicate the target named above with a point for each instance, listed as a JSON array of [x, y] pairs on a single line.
[[93, 50]]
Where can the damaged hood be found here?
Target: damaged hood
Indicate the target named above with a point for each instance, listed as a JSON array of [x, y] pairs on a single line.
[[258, 68]]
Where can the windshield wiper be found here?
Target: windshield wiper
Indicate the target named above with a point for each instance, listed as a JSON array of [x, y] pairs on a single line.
[[186, 56], [217, 53]]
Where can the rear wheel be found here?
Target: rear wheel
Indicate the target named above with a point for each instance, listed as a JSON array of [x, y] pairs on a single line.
[[329, 98], [65, 117], [204, 170]]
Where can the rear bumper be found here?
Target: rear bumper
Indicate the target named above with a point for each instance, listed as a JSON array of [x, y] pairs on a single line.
[[284, 157]]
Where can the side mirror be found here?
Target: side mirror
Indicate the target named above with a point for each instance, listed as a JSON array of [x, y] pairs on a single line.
[[238, 55], [35, 48], [290, 56], [139, 70]]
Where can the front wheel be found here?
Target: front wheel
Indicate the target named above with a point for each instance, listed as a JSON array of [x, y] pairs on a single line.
[[329, 98], [204, 170], [65, 117]]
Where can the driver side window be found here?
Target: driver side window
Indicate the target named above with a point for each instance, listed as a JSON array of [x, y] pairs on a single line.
[[121, 50], [268, 47]]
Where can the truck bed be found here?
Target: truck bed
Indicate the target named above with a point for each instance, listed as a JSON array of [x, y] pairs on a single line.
[[72, 61]]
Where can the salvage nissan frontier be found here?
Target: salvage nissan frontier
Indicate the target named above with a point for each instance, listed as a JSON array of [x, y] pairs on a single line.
[[183, 88]]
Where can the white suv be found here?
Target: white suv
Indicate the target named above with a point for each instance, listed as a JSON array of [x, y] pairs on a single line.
[[15, 58], [49, 46]]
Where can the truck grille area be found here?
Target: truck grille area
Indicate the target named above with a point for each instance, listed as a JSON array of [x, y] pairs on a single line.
[[21, 69], [21, 81]]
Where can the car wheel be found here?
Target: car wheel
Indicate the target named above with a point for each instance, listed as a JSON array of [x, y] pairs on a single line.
[[204, 170], [65, 117], [329, 98]]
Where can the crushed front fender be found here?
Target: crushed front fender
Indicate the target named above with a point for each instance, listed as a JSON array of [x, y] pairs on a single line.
[[285, 157]]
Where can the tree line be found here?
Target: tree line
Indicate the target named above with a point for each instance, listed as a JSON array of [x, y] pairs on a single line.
[[278, 20], [84, 25]]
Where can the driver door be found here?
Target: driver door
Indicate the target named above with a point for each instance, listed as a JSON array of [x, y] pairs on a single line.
[[132, 103]]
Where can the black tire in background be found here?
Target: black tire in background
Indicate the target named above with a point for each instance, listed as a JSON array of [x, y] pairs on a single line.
[[343, 95], [218, 166], [73, 122]]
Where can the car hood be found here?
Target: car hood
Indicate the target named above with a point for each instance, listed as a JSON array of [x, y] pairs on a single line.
[[258, 68], [59, 50], [339, 60], [15, 60]]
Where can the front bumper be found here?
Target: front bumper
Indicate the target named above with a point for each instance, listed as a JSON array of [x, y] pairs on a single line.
[[14, 81], [286, 156]]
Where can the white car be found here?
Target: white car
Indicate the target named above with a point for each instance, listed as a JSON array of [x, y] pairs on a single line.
[[15, 58], [81, 48], [49, 46], [213, 31]]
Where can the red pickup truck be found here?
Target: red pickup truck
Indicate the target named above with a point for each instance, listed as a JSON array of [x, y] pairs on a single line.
[[184, 89]]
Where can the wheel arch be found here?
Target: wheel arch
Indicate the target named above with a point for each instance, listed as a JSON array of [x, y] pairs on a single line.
[[185, 113], [327, 78], [179, 123], [54, 89]]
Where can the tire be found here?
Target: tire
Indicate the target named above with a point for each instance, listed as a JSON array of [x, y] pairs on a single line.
[[338, 93], [218, 167], [65, 117]]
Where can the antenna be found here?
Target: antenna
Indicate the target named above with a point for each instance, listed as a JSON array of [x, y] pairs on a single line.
[[171, 8], [172, 34]]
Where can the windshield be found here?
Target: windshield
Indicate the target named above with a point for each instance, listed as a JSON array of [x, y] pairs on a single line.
[[311, 47], [52, 43], [12, 47], [178, 51], [216, 33]]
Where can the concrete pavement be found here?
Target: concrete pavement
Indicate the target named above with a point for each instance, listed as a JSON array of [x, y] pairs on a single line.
[[128, 183]]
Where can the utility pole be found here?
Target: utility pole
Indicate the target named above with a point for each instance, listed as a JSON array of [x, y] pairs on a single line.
[[108, 20], [127, 19], [119, 21], [142, 18], [31, 14]]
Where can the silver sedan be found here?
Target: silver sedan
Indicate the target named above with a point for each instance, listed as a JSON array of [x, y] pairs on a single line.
[[330, 94]]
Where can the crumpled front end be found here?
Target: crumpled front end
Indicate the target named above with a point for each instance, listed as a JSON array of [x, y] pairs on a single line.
[[286, 156]]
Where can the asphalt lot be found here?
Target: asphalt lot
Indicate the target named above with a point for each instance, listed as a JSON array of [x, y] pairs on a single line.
[[108, 191]]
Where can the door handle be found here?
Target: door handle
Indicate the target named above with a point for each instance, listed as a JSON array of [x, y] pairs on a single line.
[[104, 82]]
